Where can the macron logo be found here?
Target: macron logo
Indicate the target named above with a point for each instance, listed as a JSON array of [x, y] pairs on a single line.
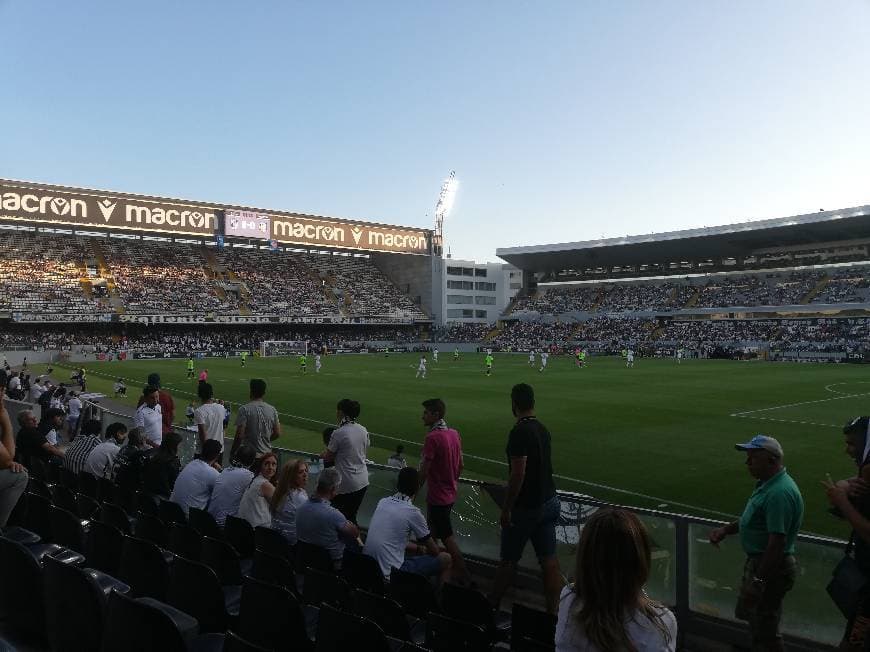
[[107, 207], [356, 232]]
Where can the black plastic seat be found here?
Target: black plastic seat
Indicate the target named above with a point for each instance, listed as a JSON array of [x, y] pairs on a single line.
[[103, 545], [338, 631], [152, 529], [223, 559], [88, 485], [67, 529], [21, 589], [106, 490], [273, 542], [170, 512], [527, 644], [240, 535], [235, 643], [310, 556], [469, 605], [64, 497], [21, 535], [272, 617], [37, 517], [145, 624], [36, 485], [86, 507], [196, 590], [144, 568], [275, 570], [76, 605], [414, 592], [146, 503], [388, 614], [528, 623], [115, 516], [444, 634], [362, 572], [325, 588], [69, 479], [204, 523], [184, 541]]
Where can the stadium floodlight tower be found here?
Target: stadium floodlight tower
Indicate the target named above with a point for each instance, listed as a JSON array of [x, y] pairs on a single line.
[[442, 209]]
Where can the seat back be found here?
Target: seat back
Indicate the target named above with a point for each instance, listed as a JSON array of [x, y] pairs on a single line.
[[528, 623], [103, 545], [269, 615], [185, 541], [171, 512], [235, 643], [66, 529], [63, 497], [204, 523], [222, 558], [69, 479], [386, 612], [144, 568], [74, 607], [444, 634], [106, 490], [240, 535], [37, 519], [339, 630], [275, 570], [310, 556], [88, 485], [21, 587], [469, 605], [272, 542], [86, 507], [362, 572], [325, 588], [196, 590], [146, 503], [151, 529], [414, 592], [116, 517], [136, 626]]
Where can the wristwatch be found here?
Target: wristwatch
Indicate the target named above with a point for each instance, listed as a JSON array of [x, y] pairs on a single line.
[[757, 580]]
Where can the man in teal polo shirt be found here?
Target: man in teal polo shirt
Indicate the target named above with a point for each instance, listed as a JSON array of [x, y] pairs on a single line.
[[768, 528]]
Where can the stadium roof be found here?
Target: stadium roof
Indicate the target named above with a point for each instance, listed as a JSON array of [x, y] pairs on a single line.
[[730, 240]]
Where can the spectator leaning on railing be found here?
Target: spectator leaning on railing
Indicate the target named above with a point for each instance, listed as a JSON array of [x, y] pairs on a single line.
[[13, 476]]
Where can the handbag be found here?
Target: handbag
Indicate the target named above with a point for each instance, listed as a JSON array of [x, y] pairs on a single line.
[[849, 583]]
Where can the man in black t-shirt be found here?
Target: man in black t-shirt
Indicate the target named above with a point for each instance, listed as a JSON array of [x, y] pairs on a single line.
[[32, 444], [531, 506]]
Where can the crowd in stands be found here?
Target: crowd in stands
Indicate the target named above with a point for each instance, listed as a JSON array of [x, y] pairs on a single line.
[[628, 298], [756, 290], [459, 332], [524, 335], [847, 285], [559, 300]]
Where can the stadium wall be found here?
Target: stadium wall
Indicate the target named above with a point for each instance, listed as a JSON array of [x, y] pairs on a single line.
[[419, 277]]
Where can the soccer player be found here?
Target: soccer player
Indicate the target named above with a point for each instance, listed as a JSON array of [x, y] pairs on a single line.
[[456, 353], [679, 356], [544, 356], [317, 364], [532, 358], [303, 363], [244, 358], [421, 369], [629, 358], [387, 352], [190, 366], [578, 354], [435, 354], [488, 361]]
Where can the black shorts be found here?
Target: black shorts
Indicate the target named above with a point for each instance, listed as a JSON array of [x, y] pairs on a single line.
[[439, 521]]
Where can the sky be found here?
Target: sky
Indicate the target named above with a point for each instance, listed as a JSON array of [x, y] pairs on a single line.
[[564, 121]]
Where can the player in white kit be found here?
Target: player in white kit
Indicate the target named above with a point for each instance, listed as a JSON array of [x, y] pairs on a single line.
[[317, 363], [679, 356], [421, 370], [434, 355], [532, 358], [629, 359], [544, 356]]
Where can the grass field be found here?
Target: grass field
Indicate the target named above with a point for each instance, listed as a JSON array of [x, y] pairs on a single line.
[[658, 435]]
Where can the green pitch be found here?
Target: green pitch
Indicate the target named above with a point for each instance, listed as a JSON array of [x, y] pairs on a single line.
[[658, 435]]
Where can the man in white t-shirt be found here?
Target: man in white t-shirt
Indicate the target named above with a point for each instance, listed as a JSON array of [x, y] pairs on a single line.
[[194, 485], [101, 460], [398, 528], [544, 357], [14, 383], [231, 483], [317, 363], [74, 405], [149, 417], [435, 355], [36, 390], [421, 368], [347, 449], [532, 358], [209, 417]]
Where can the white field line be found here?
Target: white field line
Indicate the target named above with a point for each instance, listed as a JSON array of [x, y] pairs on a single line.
[[587, 483], [749, 414]]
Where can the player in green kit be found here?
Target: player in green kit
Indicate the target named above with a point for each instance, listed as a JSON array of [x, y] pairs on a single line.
[[244, 358], [190, 366], [488, 360], [303, 362], [456, 354]]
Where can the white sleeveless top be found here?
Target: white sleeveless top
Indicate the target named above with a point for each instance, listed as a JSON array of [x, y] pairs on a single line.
[[254, 508]]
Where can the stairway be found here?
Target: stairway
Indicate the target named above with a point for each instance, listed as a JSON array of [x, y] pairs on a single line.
[[816, 289], [598, 299], [693, 300], [115, 299], [491, 335]]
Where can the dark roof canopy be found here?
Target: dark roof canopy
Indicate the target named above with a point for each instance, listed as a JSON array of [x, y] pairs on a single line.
[[732, 240]]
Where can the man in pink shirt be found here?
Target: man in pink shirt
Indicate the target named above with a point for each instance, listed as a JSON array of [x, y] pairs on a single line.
[[203, 375], [441, 466]]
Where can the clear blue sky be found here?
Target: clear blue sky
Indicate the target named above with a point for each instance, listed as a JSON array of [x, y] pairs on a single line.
[[564, 120]]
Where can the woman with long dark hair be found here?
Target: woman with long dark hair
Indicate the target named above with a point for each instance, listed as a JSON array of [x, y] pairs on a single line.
[[606, 609]]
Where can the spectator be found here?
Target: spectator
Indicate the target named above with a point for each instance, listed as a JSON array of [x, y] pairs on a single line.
[[289, 496], [13, 476], [254, 507], [51, 425], [36, 389], [327, 435], [395, 519], [120, 388], [851, 499], [74, 405], [231, 484], [209, 416], [347, 450], [257, 421], [768, 528], [127, 470], [78, 451], [321, 524], [441, 466], [149, 416], [161, 466], [33, 447], [167, 405], [188, 412], [101, 460], [397, 460], [606, 608], [196, 481], [531, 506]]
